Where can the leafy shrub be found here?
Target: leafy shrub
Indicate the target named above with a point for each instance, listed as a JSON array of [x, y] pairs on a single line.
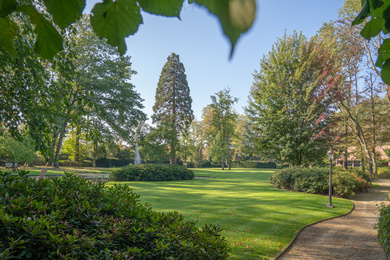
[[344, 184], [203, 164], [69, 218], [316, 180], [152, 172], [383, 227], [190, 165], [383, 172], [254, 164], [112, 162]]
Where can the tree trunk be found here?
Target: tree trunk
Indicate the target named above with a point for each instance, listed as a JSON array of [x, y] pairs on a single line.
[[228, 154], [362, 160], [77, 144], [95, 150], [345, 161]]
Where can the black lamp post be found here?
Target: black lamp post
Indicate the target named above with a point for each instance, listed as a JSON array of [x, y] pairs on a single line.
[[330, 157]]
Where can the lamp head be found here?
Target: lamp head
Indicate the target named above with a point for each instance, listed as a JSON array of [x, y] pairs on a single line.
[[330, 154]]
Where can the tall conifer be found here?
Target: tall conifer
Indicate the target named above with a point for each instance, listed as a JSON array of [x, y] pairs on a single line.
[[172, 108]]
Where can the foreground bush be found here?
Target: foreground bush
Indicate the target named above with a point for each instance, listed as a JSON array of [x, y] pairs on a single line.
[[383, 227], [152, 172], [316, 180], [69, 218]]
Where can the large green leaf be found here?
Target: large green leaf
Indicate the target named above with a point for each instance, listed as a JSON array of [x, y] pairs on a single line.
[[65, 12], [383, 53], [7, 7], [7, 34], [162, 7], [115, 20], [386, 72], [49, 41], [372, 28], [364, 13], [235, 16]]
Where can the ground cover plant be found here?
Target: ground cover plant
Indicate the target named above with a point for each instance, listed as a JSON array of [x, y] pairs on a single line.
[[70, 218], [257, 219]]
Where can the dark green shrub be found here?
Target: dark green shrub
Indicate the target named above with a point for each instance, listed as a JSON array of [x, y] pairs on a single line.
[[344, 184], [152, 172], [69, 218], [383, 227], [190, 165], [203, 164], [316, 180], [253, 164]]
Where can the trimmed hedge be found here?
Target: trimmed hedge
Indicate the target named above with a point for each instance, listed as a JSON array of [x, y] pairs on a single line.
[[69, 218], [253, 164], [152, 172], [316, 180]]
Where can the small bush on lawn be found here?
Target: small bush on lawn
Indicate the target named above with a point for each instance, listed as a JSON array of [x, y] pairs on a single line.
[[383, 227], [152, 172], [316, 180], [69, 218]]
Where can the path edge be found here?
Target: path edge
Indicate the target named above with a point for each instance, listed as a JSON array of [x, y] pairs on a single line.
[[323, 220]]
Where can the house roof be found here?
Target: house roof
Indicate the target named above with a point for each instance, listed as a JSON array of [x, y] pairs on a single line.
[[353, 150]]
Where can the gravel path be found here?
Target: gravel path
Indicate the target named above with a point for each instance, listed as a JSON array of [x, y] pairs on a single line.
[[348, 237]]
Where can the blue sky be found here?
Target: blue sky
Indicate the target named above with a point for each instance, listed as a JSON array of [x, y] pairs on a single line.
[[204, 50]]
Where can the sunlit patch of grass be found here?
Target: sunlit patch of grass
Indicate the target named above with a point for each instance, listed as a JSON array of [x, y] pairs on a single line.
[[258, 220]]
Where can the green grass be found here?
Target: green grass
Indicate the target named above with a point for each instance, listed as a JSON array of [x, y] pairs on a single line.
[[258, 221]]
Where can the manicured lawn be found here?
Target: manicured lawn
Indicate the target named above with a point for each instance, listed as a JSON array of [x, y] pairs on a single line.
[[258, 220]]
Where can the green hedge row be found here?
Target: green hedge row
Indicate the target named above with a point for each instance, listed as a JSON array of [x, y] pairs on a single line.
[[152, 172], [254, 164], [69, 218], [236, 164], [316, 180]]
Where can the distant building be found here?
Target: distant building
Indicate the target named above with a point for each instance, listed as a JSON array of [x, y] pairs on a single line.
[[355, 161]]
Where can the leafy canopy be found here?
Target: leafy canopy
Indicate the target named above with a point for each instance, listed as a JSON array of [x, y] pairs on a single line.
[[113, 20], [377, 14]]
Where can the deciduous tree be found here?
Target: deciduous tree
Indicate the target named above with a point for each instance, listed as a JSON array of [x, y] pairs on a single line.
[[288, 105]]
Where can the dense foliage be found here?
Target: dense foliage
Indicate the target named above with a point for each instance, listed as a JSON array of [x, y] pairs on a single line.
[[152, 172], [289, 108], [253, 164], [172, 110], [113, 20], [316, 180], [73, 219], [383, 227]]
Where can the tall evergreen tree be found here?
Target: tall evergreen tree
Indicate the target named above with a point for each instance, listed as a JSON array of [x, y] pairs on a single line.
[[172, 109]]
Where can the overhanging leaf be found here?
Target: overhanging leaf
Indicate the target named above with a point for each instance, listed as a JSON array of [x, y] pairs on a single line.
[[115, 21], [364, 13], [162, 7], [372, 28], [383, 53], [65, 12], [49, 41], [386, 72], [7, 7], [7, 34], [235, 16]]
